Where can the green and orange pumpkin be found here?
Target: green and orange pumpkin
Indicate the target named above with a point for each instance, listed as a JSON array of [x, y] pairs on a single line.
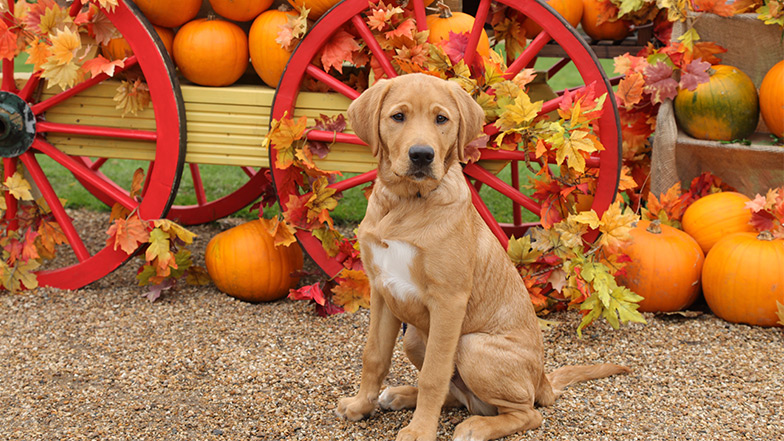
[[725, 108]]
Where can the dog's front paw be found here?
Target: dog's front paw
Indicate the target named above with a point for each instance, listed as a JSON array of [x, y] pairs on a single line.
[[411, 433], [355, 408]]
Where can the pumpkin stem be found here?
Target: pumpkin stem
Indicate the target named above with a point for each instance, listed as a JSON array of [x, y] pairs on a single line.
[[444, 11], [654, 227], [211, 16], [765, 235], [285, 7], [711, 71]]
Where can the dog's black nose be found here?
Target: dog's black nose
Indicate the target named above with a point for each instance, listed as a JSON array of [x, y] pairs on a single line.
[[421, 154]]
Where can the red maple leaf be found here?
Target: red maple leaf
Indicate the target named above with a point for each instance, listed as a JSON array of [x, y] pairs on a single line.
[[693, 74], [659, 82], [338, 49], [455, 46], [309, 292]]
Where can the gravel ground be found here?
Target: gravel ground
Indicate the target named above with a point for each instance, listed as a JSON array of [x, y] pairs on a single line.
[[104, 363]]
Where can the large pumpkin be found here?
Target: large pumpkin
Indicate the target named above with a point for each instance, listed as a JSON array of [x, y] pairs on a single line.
[[716, 215], [211, 52], [441, 24], [571, 10], [725, 108], [609, 30], [169, 13], [268, 58], [240, 10], [771, 99], [245, 263], [743, 278], [665, 267]]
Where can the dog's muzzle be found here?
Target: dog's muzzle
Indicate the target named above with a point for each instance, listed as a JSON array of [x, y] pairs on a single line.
[[421, 156]]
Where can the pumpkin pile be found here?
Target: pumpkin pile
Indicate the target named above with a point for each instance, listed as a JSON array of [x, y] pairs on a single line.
[[730, 246]]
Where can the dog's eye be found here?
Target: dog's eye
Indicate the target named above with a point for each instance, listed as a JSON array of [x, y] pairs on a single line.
[[399, 117], [440, 119]]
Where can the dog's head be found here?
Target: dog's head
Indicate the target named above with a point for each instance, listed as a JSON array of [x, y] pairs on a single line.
[[418, 126]]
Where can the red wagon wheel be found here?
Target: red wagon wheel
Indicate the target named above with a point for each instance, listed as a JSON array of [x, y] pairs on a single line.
[[28, 143], [555, 28]]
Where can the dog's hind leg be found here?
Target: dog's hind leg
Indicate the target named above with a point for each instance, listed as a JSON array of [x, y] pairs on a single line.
[[508, 421], [405, 397]]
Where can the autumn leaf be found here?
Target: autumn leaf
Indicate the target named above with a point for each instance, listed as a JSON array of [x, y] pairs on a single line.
[[281, 231], [18, 186], [309, 292], [688, 38], [127, 234], [630, 90], [659, 82], [282, 136], [49, 236], [103, 29], [352, 290], [520, 112], [132, 96], [64, 44], [105, 4], [521, 251], [718, 7], [694, 74], [339, 48], [321, 202], [615, 226], [174, 230], [572, 149], [330, 240], [780, 313], [292, 32], [100, 65], [8, 41], [20, 276], [197, 276]]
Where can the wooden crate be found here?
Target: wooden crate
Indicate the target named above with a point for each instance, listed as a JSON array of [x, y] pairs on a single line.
[[225, 126]]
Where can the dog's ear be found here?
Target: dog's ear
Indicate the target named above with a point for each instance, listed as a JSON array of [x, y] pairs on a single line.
[[472, 118], [365, 111]]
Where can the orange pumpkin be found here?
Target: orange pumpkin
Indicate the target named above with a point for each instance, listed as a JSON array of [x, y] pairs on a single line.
[[211, 52], [245, 263], [571, 10], [714, 216], [240, 10], [169, 13], [771, 99], [441, 24], [268, 58], [118, 48], [609, 30], [167, 37], [742, 278], [665, 268]]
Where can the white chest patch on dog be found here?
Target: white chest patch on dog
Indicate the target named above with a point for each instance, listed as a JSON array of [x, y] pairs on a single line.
[[394, 265]]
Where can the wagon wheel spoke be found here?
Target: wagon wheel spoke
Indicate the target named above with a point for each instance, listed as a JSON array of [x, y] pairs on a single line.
[[335, 84], [375, 48], [487, 216], [82, 172], [97, 164], [555, 68], [528, 55], [9, 168], [198, 185], [48, 103], [104, 132], [494, 182], [476, 31], [325, 136], [62, 218], [420, 15], [250, 171], [354, 181]]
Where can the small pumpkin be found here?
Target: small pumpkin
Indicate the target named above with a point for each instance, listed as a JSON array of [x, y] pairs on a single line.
[[169, 13], [267, 56], [570, 10], [665, 267], [771, 99], [240, 10], [609, 30], [716, 215], [211, 52], [742, 278], [118, 48], [446, 21], [244, 262], [725, 108]]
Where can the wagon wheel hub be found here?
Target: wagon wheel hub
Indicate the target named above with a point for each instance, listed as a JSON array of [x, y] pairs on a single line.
[[17, 125]]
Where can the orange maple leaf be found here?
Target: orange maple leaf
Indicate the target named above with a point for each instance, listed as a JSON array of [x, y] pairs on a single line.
[[99, 65], [127, 234], [718, 7], [630, 90], [339, 48], [280, 230], [8, 39], [352, 290]]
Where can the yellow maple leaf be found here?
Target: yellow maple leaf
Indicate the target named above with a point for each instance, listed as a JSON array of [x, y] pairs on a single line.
[[521, 111], [571, 232], [53, 18], [106, 4], [132, 97], [19, 276], [61, 75], [18, 186], [159, 247], [616, 225], [627, 182], [589, 218], [689, 37], [352, 291], [572, 150], [65, 43], [175, 230], [321, 201]]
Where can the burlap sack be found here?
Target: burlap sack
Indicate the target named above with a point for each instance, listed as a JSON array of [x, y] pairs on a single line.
[[753, 47]]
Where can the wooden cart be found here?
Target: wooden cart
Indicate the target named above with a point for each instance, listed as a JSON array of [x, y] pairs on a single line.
[[80, 130]]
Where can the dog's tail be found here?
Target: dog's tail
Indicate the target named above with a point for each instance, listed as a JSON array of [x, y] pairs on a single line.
[[562, 377]]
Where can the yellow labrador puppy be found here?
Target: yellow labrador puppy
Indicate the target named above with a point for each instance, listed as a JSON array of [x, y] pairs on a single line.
[[434, 264]]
